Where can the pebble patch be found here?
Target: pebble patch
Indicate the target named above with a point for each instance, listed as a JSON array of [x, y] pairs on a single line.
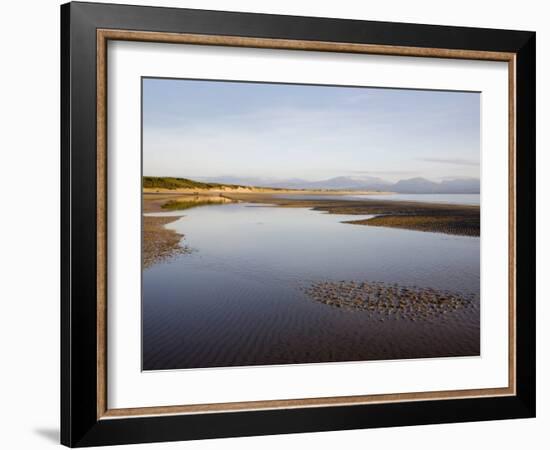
[[385, 301]]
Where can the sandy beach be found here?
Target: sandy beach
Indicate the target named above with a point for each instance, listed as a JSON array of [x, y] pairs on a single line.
[[257, 190]]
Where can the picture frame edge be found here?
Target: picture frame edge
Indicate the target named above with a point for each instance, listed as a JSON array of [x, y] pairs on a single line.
[[82, 425]]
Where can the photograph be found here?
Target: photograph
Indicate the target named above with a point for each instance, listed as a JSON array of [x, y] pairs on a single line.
[[281, 223], [301, 224]]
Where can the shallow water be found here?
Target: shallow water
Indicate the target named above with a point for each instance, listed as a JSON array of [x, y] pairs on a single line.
[[239, 298], [455, 199]]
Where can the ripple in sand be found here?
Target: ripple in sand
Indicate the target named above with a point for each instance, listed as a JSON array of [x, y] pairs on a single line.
[[389, 301]]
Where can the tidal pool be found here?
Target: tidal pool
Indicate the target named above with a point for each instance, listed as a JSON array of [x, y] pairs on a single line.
[[241, 296]]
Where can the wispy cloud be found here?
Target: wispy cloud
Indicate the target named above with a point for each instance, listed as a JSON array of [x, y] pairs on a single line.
[[452, 161], [195, 128]]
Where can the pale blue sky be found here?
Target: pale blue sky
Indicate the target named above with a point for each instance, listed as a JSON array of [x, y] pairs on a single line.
[[197, 129]]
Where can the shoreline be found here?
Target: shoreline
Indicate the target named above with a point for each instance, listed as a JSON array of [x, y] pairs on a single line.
[[160, 243], [459, 220]]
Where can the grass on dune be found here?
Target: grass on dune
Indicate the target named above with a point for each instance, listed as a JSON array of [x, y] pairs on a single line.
[[178, 183]]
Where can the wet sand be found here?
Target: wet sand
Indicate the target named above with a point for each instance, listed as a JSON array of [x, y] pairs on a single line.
[[160, 243], [462, 220], [238, 325], [457, 224]]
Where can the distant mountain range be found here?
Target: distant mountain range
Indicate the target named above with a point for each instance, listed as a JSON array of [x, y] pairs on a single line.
[[416, 185], [424, 186]]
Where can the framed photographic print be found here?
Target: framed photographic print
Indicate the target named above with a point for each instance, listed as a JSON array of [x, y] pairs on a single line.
[[277, 224]]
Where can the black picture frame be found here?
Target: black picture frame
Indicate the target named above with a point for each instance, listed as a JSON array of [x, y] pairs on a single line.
[[80, 425]]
